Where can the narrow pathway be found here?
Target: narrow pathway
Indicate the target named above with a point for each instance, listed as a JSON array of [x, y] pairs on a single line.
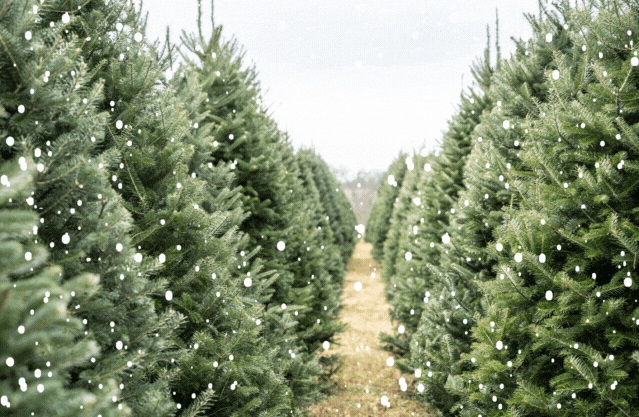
[[365, 376]]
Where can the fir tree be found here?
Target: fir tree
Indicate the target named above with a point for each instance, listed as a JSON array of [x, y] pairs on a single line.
[[399, 226], [492, 169], [41, 340], [82, 218], [418, 282], [335, 204], [381, 212], [565, 309], [282, 221]]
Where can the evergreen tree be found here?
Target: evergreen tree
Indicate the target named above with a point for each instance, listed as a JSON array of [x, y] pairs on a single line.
[[417, 285], [399, 226], [335, 204], [283, 220], [134, 187], [564, 302], [381, 212], [191, 226], [82, 218], [40, 339], [405, 284], [493, 167]]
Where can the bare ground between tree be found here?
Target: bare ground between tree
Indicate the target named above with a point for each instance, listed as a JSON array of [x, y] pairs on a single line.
[[365, 377]]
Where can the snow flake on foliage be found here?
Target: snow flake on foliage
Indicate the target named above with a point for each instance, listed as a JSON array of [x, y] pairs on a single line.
[[408, 256], [66, 239], [446, 238], [137, 37], [10, 141], [390, 361], [168, 295], [137, 257], [21, 109], [634, 61], [548, 37], [409, 163], [66, 18], [555, 74], [357, 286], [627, 282], [519, 257], [281, 246], [248, 282], [326, 345], [10, 362], [549, 295], [542, 258], [28, 35], [119, 124], [499, 345], [506, 124], [499, 246]]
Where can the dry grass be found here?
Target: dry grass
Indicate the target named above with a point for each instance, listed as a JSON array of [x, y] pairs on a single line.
[[365, 377]]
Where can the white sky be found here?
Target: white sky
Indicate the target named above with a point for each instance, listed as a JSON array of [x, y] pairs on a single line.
[[357, 80]]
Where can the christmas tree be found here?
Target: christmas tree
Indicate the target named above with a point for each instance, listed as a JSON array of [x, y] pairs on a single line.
[[53, 105], [335, 204], [41, 340], [418, 284], [284, 218], [379, 221], [563, 303]]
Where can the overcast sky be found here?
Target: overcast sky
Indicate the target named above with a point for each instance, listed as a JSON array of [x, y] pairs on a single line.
[[357, 80]]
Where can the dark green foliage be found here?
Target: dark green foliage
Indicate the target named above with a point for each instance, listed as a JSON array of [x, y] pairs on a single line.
[[40, 339], [531, 308], [418, 284], [287, 221], [187, 228], [83, 220], [197, 312], [399, 225], [382, 210], [335, 204], [566, 306]]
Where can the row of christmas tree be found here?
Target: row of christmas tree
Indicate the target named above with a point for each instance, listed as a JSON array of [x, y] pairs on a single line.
[[163, 250], [511, 255]]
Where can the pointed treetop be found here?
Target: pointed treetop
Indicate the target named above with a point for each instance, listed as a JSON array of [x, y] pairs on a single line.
[[497, 47], [213, 13], [199, 19], [487, 50]]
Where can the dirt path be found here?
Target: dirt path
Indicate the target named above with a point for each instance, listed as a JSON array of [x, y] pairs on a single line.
[[365, 376]]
